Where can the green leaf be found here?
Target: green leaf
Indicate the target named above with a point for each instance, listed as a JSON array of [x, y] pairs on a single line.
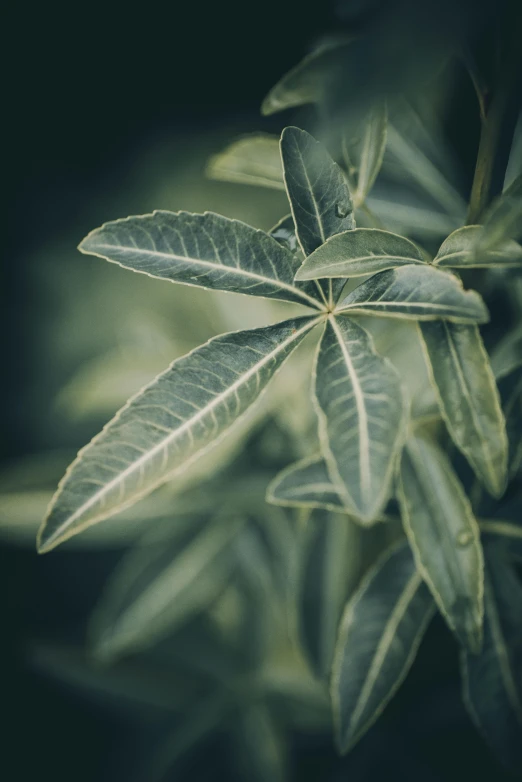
[[361, 414], [260, 746], [318, 193], [252, 160], [359, 252], [363, 149], [205, 250], [304, 83], [510, 389], [328, 569], [163, 582], [464, 249], [168, 425], [284, 233], [503, 219], [492, 680], [417, 292], [380, 633], [444, 536], [468, 398]]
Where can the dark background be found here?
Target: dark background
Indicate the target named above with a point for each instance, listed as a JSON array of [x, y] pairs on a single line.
[[88, 86]]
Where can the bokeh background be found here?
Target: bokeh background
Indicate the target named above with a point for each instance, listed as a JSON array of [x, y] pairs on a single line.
[[114, 110]]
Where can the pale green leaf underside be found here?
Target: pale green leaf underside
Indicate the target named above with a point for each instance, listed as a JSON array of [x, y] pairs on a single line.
[[169, 424], [361, 414], [492, 680], [464, 248], [381, 630], [206, 250], [444, 536], [364, 150], [359, 252], [468, 398], [252, 160], [417, 292], [161, 584], [318, 194]]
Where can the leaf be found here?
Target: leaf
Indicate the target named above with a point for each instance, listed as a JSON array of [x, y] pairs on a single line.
[[358, 252], [318, 194], [418, 292], [381, 630], [492, 680], [252, 160], [168, 425], [162, 583], [363, 150], [463, 249], [444, 536], [503, 219], [468, 398], [284, 233], [205, 250], [361, 414], [260, 746], [510, 389], [328, 569], [304, 83]]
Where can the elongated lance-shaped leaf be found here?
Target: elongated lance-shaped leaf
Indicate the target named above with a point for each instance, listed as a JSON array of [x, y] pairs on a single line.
[[416, 292], [205, 250], [380, 633], [444, 536], [319, 196], [304, 83], [328, 570], [359, 252], [162, 583], [252, 160], [463, 249], [461, 375], [361, 412], [510, 389], [492, 680], [168, 425], [363, 150]]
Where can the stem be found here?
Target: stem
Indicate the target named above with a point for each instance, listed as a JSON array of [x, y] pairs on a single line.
[[497, 131]]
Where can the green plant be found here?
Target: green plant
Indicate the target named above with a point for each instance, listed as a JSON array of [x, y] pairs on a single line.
[[390, 519]]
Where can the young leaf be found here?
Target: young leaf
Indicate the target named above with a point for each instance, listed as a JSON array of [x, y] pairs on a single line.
[[328, 570], [444, 536], [318, 193], [381, 630], [417, 292], [361, 414], [304, 83], [205, 250], [492, 680], [468, 398], [168, 425], [162, 583], [463, 249], [510, 389], [363, 150], [252, 160], [359, 252]]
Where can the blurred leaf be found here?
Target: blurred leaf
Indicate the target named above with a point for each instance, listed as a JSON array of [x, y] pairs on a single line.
[[418, 292], [252, 160], [503, 220], [363, 149], [464, 248], [304, 83], [306, 484], [207, 250], [507, 352], [444, 537], [328, 569], [318, 194], [361, 416], [261, 753], [492, 680], [381, 630], [359, 252], [510, 389], [161, 584], [468, 398], [168, 425]]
